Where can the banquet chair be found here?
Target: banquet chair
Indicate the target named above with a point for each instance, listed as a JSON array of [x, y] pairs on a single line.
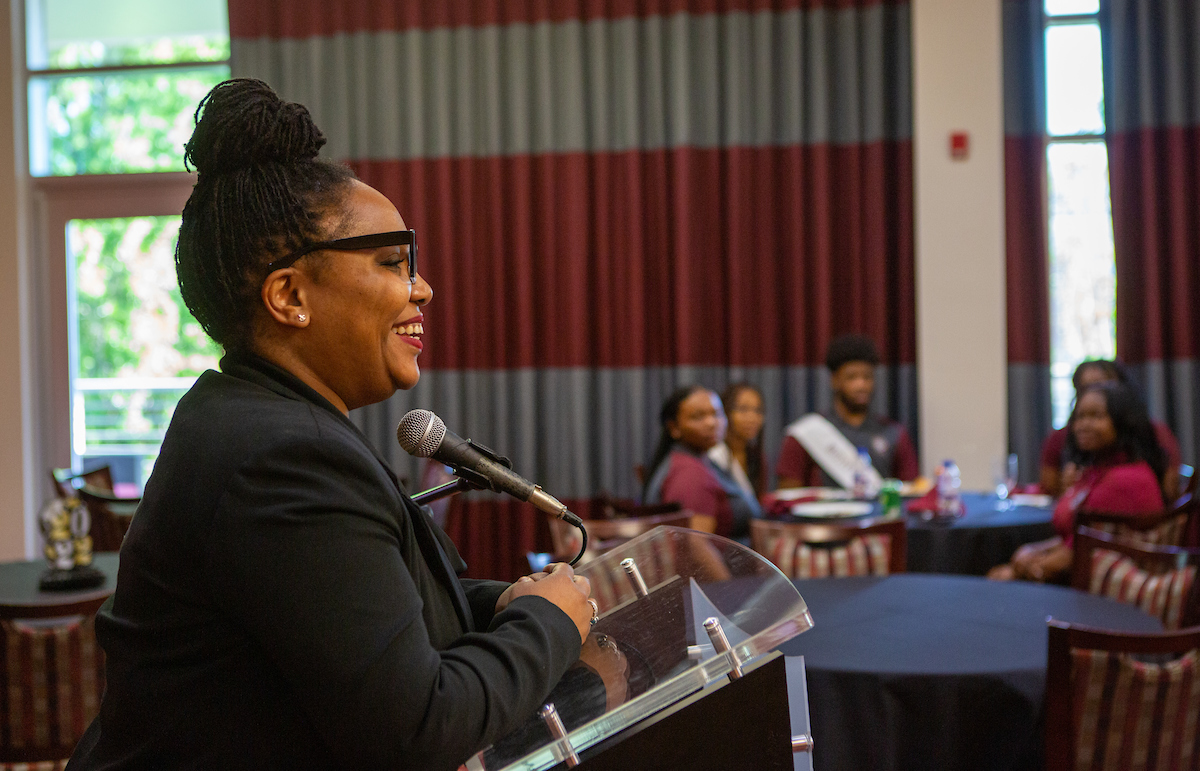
[[111, 516], [65, 480], [1160, 580], [821, 550], [1167, 528], [1121, 701], [605, 534], [52, 678]]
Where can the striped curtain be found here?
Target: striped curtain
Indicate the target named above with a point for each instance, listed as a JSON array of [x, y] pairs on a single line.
[[1152, 68], [615, 197], [1028, 272]]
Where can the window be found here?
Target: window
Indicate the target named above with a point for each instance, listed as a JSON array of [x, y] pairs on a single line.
[[112, 89], [113, 86], [135, 348], [1082, 269]]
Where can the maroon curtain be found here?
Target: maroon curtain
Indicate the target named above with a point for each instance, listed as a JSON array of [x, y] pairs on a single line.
[[613, 198], [1027, 274], [1152, 58]]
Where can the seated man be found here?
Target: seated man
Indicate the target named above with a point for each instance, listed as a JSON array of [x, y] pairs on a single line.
[[851, 360]]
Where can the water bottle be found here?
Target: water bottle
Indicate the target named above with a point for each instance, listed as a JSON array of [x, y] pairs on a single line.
[[948, 484], [861, 482]]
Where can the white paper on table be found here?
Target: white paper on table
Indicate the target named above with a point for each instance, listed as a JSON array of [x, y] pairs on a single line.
[[833, 452]]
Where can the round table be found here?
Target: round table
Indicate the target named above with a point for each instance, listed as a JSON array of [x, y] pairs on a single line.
[[935, 672], [985, 536], [21, 598]]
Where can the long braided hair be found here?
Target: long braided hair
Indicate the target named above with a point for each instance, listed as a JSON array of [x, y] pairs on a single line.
[[668, 414], [260, 193]]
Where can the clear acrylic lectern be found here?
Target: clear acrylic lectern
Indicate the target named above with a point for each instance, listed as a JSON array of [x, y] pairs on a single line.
[[682, 615]]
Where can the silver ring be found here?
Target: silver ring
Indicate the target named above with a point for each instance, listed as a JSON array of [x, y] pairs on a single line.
[[595, 611]]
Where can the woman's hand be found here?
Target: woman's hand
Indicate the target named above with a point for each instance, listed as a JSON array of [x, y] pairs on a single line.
[[1046, 565], [1070, 475], [1030, 561], [558, 584]]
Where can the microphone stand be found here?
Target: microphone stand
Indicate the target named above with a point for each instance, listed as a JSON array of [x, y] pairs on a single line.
[[462, 484], [442, 491]]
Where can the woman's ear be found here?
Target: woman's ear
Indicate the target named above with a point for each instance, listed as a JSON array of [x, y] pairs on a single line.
[[673, 430], [283, 296]]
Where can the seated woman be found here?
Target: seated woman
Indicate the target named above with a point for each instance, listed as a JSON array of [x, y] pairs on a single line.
[[1054, 450], [1118, 469], [741, 454], [680, 471]]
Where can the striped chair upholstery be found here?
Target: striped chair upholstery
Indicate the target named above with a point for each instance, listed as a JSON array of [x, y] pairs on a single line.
[[821, 550], [52, 682], [1122, 702], [1160, 580], [1167, 529]]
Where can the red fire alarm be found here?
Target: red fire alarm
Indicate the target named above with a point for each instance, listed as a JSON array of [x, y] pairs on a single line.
[[960, 145]]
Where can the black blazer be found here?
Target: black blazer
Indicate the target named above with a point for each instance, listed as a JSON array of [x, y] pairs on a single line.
[[282, 603]]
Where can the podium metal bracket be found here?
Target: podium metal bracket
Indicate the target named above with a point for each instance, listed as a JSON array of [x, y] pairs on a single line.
[[635, 577], [562, 743], [721, 645]]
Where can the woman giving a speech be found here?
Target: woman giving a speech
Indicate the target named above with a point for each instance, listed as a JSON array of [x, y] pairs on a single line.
[[282, 602]]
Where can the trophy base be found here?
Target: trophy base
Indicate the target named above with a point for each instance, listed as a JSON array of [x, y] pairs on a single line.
[[83, 577]]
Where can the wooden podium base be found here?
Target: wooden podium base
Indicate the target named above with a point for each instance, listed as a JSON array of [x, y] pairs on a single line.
[[743, 723]]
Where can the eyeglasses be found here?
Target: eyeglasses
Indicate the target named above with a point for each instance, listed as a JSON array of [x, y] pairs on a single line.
[[373, 241]]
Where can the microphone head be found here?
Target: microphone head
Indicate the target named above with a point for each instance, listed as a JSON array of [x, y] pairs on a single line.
[[420, 433]]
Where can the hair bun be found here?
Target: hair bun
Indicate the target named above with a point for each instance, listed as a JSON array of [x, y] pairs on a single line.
[[243, 123]]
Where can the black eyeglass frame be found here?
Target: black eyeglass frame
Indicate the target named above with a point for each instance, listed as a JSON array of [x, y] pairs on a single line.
[[354, 243]]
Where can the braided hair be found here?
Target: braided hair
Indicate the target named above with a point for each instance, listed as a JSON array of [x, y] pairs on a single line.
[[260, 193], [668, 414]]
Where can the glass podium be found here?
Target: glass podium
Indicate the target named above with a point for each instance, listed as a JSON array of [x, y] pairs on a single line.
[[681, 612]]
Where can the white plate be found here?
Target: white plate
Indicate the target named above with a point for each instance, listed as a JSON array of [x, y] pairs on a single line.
[[1025, 499], [822, 493], [832, 509]]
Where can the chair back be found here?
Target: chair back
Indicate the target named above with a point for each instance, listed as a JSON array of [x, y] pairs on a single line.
[[52, 678], [1121, 701], [1160, 580], [604, 534], [825, 549], [1167, 528], [66, 480], [111, 516]]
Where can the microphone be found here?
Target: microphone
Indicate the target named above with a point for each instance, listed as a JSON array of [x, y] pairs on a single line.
[[423, 434]]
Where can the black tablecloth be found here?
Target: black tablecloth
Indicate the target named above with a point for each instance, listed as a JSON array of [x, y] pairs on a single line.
[[935, 672], [19, 584], [985, 537]]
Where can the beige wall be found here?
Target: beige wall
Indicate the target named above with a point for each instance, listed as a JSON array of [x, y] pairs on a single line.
[[961, 343], [16, 479]]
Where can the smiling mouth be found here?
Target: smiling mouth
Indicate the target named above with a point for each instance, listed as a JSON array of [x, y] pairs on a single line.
[[410, 330]]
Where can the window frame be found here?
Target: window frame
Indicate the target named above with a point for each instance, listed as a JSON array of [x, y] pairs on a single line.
[[57, 201], [1049, 140]]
